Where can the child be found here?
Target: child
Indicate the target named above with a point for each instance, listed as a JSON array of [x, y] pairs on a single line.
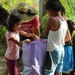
[[12, 38], [68, 56], [56, 30]]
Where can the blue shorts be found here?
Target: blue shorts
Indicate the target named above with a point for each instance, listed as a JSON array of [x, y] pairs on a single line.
[[57, 56], [68, 66]]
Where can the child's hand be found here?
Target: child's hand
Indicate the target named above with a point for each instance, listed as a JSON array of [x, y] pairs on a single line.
[[35, 37], [28, 41]]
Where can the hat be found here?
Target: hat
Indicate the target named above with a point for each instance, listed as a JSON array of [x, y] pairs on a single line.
[[3, 16], [26, 11]]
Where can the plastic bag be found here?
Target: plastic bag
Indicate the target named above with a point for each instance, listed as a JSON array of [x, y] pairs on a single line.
[[33, 57]]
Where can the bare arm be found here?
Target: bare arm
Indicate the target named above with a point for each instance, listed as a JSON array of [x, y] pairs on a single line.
[[15, 41], [68, 36], [37, 31], [35, 37], [47, 28]]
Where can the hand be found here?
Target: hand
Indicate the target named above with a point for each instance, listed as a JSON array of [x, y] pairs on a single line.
[[28, 41], [35, 37]]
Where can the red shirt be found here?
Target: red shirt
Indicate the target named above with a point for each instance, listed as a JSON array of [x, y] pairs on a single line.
[[27, 26]]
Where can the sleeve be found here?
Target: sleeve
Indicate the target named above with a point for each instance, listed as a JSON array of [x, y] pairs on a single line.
[[9, 35], [36, 22]]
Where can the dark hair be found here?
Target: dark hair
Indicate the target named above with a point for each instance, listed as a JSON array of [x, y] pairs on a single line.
[[3, 16], [63, 9], [54, 5], [13, 18], [70, 25], [3, 13]]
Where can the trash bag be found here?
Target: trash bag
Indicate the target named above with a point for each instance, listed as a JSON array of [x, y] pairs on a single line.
[[33, 57]]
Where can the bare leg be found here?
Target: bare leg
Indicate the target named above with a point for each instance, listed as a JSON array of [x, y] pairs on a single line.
[[58, 73], [66, 74]]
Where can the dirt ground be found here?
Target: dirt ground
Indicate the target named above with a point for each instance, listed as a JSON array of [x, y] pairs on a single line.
[[2, 65]]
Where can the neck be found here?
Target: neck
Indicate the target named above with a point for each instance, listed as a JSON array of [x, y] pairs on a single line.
[[15, 31], [57, 14]]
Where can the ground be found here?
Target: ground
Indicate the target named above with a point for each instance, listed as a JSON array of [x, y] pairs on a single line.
[[2, 65]]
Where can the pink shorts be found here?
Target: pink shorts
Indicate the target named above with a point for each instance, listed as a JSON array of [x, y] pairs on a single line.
[[12, 67]]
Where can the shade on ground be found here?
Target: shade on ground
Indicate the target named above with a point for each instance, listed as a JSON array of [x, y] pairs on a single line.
[[2, 65]]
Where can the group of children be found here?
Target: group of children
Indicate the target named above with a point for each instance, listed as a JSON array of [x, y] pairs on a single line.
[[57, 32]]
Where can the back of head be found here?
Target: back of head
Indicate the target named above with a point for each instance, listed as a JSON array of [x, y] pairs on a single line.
[[63, 9], [54, 5], [3, 16], [71, 25]]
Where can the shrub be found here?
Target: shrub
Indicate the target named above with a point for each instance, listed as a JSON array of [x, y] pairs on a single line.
[[43, 24], [3, 31]]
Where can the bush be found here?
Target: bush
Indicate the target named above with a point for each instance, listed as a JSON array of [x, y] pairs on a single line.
[[43, 24], [3, 31]]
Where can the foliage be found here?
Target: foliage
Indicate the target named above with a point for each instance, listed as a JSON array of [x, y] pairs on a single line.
[[43, 24], [3, 47], [2, 33], [8, 4], [69, 8]]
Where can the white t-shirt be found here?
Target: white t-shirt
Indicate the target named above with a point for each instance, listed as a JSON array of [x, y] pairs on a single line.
[[56, 38]]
